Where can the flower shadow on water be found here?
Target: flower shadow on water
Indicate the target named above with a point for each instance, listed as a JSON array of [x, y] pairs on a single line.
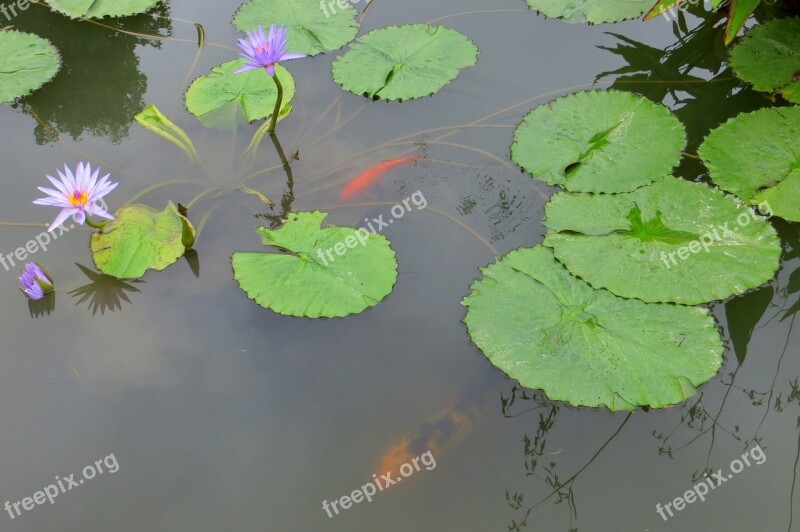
[[104, 292], [42, 307]]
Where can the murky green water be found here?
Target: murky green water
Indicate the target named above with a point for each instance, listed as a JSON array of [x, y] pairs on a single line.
[[226, 416]]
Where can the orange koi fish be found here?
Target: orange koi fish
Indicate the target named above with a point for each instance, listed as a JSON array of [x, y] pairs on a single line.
[[365, 180], [437, 434]]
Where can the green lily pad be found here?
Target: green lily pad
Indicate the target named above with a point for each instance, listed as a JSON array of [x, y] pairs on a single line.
[[673, 241], [599, 141], [552, 331], [26, 63], [312, 27], [404, 62], [768, 57], [757, 157], [140, 239], [102, 8], [329, 271], [591, 11], [219, 98]]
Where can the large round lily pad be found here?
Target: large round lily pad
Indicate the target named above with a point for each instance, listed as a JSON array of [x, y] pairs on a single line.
[[552, 331], [102, 8], [768, 57], [312, 27], [26, 63], [673, 241], [599, 141], [328, 271], [140, 239], [757, 157], [591, 11], [404, 62], [217, 99]]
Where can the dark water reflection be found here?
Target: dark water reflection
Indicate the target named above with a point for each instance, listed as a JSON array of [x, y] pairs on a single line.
[[223, 415]]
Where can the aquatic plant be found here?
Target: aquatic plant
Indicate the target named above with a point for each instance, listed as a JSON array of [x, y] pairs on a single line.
[[35, 282], [262, 51], [27, 62], [404, 62], [78, 195]]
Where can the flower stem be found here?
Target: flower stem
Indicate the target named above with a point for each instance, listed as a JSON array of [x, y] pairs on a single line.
[[96, 225], [278, 103]]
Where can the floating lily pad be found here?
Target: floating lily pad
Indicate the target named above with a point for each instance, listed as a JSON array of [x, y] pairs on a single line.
[[599, 141], [768, 57], [757, 157], [26, 63], [140, 239], [219, 98], [404, 62], [102, 8], [673, 241], [312, 27], [329, 271], [552, 331], [591, 11]]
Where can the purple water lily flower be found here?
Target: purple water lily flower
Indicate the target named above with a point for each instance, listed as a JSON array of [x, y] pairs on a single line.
[[265, 52], [35, 282], [77, 194]]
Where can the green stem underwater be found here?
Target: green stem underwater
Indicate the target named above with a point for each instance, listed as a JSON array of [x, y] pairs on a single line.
[[278, 102]]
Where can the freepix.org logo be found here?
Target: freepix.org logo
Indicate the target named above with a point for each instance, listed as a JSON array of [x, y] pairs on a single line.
[[12, 10]]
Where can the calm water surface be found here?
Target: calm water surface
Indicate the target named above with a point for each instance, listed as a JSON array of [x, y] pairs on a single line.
[[225, 416]]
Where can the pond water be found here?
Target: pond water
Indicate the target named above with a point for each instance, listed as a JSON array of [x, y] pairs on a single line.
[[223, 415]]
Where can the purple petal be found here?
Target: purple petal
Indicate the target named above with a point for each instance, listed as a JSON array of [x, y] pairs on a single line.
[[97, 210], [62, 217], [245, 69]]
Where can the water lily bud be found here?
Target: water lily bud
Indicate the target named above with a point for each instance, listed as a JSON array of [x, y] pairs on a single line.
[[35, 282]]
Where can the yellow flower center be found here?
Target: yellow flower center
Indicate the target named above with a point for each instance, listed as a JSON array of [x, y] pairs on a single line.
[[78, 198], [263, 48]]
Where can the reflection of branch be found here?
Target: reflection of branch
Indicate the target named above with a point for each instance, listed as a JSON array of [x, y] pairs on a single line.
[[104, 292], [794, 479], [558, 487]]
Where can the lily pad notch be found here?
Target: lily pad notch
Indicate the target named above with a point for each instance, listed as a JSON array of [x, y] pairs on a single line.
[[328, 272], [404, 62]]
